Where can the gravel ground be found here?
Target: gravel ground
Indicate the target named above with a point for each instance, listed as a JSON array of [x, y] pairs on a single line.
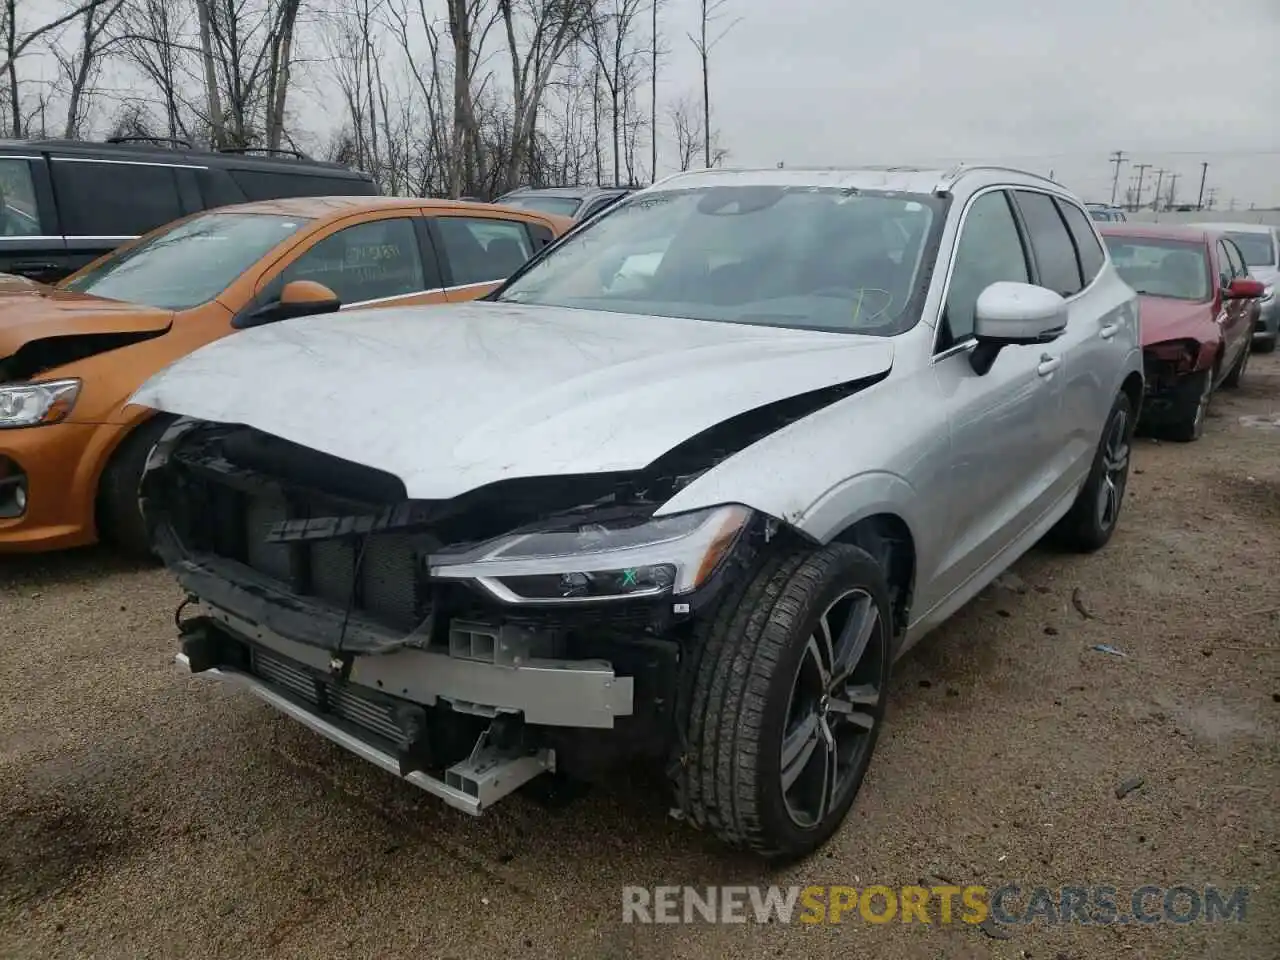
[[150, 815]]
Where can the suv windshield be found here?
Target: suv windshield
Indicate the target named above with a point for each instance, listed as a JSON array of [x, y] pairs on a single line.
[[560, 206], [1176, 269], [1256, 248], [803, 257], [188, 264]]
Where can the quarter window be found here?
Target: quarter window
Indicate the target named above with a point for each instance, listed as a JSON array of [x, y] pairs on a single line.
[[1226, 270], [368, 261], [481, 250], [1055, 254], [1087, 245], [19, 215], [1238, 268], [99, 199], [989, 250]]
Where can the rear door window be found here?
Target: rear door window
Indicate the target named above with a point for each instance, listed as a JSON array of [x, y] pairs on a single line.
[[99, 198], [366, 261], [1087, 245], [19, 213], [482, 250], [1054, 252], [269, 185]]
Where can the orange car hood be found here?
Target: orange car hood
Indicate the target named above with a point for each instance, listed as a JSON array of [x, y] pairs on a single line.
[[59, 313]]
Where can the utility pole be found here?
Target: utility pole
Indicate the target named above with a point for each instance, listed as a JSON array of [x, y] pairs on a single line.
[[1173, 190], [1155, 201], [1142, 169], [1211, 199], [1117, 158], [1232, 204], [1204, 171]]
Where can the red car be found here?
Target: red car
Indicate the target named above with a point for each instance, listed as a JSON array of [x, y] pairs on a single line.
[[1197, 307]]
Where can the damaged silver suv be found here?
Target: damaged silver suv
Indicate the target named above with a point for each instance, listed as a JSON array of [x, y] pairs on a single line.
[[678, 493]]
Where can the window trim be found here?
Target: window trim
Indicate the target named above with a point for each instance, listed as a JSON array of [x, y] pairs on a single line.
[[442, 252], [1053, 202], [1024, 236], [177, 192], [1062, 203], [966, 343], [266, 288]]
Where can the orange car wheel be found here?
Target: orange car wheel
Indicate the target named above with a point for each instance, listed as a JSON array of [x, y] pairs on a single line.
[[119, 517]]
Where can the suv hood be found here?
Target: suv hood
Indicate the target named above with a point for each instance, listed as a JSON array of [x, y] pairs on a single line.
[[28, 315], [449, 399]]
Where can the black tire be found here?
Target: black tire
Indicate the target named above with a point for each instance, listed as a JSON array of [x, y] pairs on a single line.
[[737, 702], [1265, 344], [1087, 526], [1190, 407], [1232, 379], [119, 518]]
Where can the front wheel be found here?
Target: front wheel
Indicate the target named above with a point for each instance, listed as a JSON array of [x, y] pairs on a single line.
[[1191, 407], [784, 701], [119, 513], [1233, 377], [1092, 519]]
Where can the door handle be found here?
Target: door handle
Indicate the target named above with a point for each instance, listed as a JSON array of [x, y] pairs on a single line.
[[1109, 330], [1048, 364]]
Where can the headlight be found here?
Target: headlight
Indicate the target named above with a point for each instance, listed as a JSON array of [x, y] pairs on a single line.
[[30, 404], [1268, 293], [594, 561]]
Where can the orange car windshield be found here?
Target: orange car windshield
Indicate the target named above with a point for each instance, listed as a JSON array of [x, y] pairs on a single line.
[[188, 264]]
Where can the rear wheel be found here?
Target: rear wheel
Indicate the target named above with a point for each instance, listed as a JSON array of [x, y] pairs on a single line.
[[1092, 519], [119, 516], [1264, 344], [784, 700]]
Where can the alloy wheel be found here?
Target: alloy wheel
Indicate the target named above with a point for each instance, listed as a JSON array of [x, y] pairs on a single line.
[[833, 708], [1115, 471]]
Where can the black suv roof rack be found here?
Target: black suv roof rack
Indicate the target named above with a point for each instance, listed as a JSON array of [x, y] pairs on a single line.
[[174, 141], [269, 151]]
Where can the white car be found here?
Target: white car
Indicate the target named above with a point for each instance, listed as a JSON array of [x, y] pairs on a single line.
[[685, 516]]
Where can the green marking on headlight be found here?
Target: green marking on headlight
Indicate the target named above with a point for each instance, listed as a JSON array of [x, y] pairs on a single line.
[[629, 578]]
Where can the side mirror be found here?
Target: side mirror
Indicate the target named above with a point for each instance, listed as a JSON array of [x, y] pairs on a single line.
[[1244, 288], [1014, 314], [298, 298]]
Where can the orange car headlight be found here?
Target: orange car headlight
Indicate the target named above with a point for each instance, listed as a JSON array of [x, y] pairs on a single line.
[[35, 404]]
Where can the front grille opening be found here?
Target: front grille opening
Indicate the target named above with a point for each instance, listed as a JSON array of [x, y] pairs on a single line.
[[325, 696]]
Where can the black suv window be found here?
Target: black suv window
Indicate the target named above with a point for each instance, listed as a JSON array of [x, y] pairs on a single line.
[[19, 215], [367, 261], [1055, 254], [1087, 245], [268, 185], [481, 250], [98, 198], [989, 250]]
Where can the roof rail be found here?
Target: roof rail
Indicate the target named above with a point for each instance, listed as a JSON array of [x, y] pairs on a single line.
[[269, 151], [173, 141]]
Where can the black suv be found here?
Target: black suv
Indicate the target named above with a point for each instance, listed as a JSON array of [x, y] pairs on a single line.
[[64, 203]]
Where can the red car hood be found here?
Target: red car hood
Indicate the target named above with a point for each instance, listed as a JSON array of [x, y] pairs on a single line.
[[1162, 318]]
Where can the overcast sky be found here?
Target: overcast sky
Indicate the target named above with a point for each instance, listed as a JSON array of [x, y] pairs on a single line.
[[1043, 85], [1047, 85]]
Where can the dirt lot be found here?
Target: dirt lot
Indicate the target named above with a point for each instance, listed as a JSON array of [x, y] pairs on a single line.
[[149, 815]]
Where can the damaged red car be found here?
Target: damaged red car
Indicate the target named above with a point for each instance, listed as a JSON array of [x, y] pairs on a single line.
[[1197, 307]]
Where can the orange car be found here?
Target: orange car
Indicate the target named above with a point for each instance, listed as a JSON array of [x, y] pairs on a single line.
[[71, 446]]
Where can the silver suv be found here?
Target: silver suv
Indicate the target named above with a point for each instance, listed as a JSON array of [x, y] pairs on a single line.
[[678, 493]]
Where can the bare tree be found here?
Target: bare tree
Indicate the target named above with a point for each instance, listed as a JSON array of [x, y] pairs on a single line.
[[613, 43], [712, 14], [686, 126], [79, 67], [655, 51], [154, 38], [552, 25], [17, 41]]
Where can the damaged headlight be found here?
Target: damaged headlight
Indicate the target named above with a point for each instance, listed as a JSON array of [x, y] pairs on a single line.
[[30, 404], [594, 561]]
